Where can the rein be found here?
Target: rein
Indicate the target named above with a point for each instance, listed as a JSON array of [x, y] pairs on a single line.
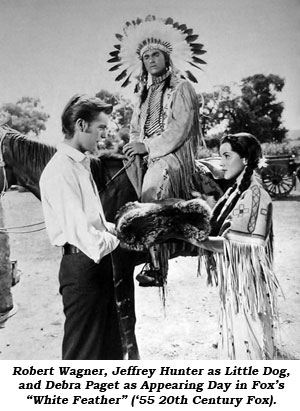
[[127, 165]]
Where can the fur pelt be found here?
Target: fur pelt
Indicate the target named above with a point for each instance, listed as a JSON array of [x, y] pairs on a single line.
[[140, 225]]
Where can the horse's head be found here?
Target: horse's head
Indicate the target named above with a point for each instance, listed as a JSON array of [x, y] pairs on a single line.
[[21, 160]]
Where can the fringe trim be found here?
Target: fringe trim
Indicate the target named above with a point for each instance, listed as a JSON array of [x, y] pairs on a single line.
[[246, 271], [247, 286], [182, 180]]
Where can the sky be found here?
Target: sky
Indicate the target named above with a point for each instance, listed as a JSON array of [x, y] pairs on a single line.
[[52, 49]]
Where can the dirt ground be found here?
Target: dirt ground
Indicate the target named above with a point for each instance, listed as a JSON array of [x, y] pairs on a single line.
[[185, 330]]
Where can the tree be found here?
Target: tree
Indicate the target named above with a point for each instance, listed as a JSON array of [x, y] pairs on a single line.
[[118, 131], [27, 115], [253, 108], [107, 97], [218, 108], [257, 110], [123, 108]]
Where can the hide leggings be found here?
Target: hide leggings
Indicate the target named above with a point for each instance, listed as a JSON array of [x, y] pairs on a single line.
[[91, 329]]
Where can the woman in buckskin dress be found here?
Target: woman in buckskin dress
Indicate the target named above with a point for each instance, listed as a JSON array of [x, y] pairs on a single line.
[[238, 255], [235, 249]]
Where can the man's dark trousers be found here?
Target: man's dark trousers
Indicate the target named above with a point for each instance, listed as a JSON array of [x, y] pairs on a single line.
[[91, 330]]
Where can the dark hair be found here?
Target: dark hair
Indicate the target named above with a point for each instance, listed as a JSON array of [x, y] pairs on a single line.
[[248, 147], [145, 77], [83, 107]]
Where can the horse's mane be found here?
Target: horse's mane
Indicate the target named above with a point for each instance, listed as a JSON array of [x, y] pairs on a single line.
[[30, 153], [34, 156]]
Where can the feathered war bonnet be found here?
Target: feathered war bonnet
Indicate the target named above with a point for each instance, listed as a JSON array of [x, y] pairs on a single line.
[[139, 36]]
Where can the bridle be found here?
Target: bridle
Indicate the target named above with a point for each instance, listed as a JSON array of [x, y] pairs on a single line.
[[3, 133]]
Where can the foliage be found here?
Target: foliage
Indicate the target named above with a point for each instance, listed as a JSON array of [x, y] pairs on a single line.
[[218, 108], [118, 133], [258, 112], [252, 108], [274, 148], [26, 115], [107, 97], [123, 108], [206, 152]]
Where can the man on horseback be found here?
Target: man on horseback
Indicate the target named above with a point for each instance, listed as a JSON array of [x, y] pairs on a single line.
[[165, 133], [75, 221]]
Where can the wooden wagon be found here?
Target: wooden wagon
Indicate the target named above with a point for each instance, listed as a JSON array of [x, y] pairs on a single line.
[[280, 175]]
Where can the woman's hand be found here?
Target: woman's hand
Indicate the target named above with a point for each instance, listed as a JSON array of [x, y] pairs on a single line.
[[111, 228], [131, 149], [214, 244]]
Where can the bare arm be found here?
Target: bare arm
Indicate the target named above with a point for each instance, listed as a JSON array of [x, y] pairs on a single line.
[[216, 170], [214, 244]]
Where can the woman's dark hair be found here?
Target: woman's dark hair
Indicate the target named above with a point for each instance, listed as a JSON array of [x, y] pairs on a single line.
[[248, 147], [144, 77], [84, 107]]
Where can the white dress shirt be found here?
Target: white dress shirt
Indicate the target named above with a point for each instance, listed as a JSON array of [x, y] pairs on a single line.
[[72, 207]]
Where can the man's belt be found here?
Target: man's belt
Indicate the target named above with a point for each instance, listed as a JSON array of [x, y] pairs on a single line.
[[70, 249]]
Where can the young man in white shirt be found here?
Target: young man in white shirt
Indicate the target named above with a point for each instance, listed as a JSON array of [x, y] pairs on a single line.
[[75, 221]]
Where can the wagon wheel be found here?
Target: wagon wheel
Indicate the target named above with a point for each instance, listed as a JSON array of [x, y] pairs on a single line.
[[298, 173], [277, 181]]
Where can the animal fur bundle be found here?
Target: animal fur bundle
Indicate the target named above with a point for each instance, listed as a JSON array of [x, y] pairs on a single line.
[[140, 225]]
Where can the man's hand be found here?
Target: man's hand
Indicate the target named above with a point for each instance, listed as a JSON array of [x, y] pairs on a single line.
[[131, 149]]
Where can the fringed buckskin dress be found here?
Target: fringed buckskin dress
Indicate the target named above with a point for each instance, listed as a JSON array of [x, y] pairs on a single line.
[[245, 278]]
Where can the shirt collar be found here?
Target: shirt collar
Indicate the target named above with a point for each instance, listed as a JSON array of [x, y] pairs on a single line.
[[72, 152]]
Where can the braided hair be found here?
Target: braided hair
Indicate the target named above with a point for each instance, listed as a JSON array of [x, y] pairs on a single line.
[[248, 148]]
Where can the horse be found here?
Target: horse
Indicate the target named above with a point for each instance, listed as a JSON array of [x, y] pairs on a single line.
[[22, 162]]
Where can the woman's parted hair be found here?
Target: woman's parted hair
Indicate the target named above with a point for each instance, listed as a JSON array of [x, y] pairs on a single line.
[[84, 107], [246, 145]]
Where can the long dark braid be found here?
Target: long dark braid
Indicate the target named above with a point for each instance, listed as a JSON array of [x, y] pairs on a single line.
[[248, 147], [144, 79]]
